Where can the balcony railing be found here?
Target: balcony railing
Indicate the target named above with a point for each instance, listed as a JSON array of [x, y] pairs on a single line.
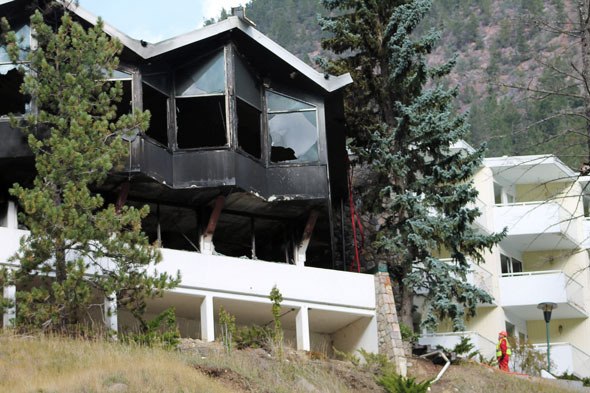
[[538, 225], [486, 347], [566, 357], [521, 291]]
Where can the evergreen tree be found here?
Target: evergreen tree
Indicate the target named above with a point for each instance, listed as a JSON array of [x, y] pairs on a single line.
[[79, 250], [401, 119]]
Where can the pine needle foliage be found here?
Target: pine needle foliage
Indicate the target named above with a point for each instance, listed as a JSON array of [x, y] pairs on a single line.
[[80, 250], [401, 120]]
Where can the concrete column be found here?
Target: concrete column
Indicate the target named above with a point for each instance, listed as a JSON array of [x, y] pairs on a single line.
[[110, 314], [302, 328], [12, 216], [388, 331], [9, 312], [207, 320]]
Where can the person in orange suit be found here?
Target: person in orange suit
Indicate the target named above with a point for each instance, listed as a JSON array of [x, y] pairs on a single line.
[[503, 351]]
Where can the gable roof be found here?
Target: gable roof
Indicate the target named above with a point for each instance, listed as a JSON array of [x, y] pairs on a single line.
[[146, 51]]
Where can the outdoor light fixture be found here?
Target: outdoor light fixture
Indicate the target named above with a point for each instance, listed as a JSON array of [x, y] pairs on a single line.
[[547, 308]]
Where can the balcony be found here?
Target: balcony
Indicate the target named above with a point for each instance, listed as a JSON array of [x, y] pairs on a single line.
[[486, 347], [536, 226], [336, 304], [566, 357], [522, 292]]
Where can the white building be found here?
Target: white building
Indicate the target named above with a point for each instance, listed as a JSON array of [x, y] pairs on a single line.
[[544, 258]]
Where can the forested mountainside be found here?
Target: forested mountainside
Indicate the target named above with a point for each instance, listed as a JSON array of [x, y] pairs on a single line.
[[497, 44]]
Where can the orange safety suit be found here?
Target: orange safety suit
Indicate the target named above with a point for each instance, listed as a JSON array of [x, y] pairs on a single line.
[[503, 353]]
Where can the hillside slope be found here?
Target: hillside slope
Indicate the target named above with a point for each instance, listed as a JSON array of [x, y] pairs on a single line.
[[41, 364]]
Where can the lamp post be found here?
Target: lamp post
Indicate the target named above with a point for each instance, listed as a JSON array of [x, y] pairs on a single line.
[[547, 307]]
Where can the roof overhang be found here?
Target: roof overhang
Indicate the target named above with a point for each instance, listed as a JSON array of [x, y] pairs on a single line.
[[145, 50], [534, 169]]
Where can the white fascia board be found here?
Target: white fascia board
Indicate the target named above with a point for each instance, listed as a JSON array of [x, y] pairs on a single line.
[[462, 145]]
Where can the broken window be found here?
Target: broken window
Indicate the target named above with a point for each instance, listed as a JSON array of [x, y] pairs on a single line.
[[124, 106], [156, 102], [200, 103], [10, 96], [293, 130], [248, 110], [11, 78], [23, 38]]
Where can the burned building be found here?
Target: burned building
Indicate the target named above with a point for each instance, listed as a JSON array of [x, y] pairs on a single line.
[[244, 161]]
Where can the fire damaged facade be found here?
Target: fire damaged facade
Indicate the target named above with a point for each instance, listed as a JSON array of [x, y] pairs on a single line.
[[243, 167]]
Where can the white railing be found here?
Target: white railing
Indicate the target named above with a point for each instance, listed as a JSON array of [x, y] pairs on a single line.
[[448, 340], [536, 218], [566, 357], [522, 288]]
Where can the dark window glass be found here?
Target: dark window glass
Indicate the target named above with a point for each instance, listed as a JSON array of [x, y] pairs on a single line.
[[205, 78], [505, 263], [248, 128]]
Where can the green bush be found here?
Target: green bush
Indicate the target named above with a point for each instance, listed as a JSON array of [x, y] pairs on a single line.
[[394, 383], [161, 331], [227, 324], [253, 336]]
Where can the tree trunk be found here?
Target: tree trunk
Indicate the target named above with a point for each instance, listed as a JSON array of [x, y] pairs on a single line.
[[406, 306]]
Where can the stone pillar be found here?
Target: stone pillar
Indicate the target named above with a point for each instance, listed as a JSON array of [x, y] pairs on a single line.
[[9, 312], [207, 320], [388, 331], [302, 327], [110, 314]]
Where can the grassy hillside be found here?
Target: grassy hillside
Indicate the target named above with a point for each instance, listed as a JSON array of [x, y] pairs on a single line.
[[37, 364]]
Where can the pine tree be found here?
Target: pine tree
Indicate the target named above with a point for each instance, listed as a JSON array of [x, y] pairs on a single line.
[[403, 125], [79, 250]]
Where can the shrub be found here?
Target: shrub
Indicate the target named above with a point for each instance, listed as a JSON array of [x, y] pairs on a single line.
[[253, 336], [394, 383], [227, 324], [160, 331]]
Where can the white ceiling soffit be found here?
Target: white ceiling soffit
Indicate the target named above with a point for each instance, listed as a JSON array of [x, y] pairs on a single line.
[[330, 84], [530, 169]]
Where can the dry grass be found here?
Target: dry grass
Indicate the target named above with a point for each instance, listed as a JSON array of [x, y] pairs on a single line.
[[33, 364]]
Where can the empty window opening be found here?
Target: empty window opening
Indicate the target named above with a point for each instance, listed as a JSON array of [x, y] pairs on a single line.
[[273, 241], [201, 122], [249, 138], [124, 106], [10, 96], [293, 129], [157, 103]]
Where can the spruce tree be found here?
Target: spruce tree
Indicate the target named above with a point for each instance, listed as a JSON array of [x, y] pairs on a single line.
[[403, 125], [80, 250]]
